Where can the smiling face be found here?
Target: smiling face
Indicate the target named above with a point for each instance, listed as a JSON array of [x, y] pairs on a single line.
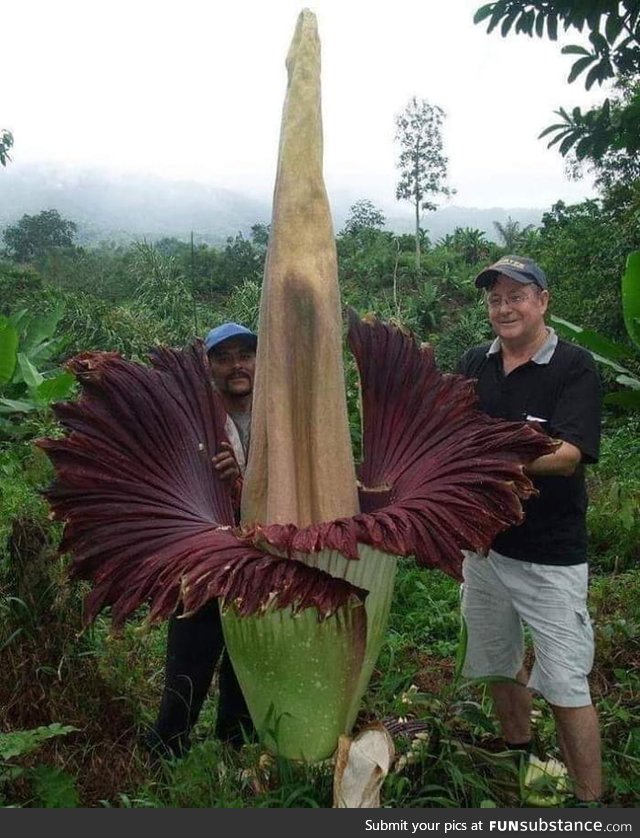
[[516, 311], [233, 364]]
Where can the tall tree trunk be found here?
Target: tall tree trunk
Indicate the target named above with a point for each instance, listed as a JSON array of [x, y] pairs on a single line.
[[417, 234]]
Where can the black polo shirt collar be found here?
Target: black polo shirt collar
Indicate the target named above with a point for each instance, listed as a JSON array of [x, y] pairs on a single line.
[[542, 356]]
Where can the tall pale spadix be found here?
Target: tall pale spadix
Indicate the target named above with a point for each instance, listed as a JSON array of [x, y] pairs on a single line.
[[301, 466], [303, 679]]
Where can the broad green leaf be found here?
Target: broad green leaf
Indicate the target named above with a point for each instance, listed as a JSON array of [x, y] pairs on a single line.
[[508, 22], [629, 381], [608, 351], [56, 388], [608, 363], [15, 431], [8, 351], [19, 742], [43, 351], [573, 49], [18, 319], [482, 13], [54, 788], [552, 27], [631, 297], [568, 142], [596, 74], [42, 328], [626, 398], [613, 26], [30, 375], [559, 126], [599, 41], [579, 66], [15, 406]]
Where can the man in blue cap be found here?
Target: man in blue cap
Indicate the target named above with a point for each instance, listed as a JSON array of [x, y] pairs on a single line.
[[231, 349], [196, 644], [536, 573]]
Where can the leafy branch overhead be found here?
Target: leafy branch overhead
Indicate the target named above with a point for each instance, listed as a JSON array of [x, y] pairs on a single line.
[[610, 52]]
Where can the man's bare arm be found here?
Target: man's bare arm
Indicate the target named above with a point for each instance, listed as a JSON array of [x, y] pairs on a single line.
[[562, 463]]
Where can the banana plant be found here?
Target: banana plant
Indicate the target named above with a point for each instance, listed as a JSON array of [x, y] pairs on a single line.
[[611, 353], [27, 343]]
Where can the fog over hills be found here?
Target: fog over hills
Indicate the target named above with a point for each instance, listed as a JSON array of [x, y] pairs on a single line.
[[125, 207]]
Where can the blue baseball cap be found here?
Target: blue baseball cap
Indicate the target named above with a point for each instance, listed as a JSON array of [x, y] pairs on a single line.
[[519, 268], [229, 330]]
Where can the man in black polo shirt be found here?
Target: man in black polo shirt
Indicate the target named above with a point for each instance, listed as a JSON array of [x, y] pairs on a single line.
[[536, 573]]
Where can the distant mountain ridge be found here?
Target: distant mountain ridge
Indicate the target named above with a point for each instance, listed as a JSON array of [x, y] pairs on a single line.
[[123, 208]]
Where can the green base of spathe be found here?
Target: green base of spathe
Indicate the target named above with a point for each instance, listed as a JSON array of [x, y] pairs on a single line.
[[302, 678]]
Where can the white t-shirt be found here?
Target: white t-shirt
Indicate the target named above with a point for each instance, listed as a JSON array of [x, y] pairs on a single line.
[[238, 429]]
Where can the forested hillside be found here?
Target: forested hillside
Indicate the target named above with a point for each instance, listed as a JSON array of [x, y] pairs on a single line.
[[122, 208]]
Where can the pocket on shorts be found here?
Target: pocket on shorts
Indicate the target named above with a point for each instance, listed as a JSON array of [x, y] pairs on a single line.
[[586, 629]]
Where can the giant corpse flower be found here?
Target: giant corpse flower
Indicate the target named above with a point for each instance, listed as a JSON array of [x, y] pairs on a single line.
[[305, 582]]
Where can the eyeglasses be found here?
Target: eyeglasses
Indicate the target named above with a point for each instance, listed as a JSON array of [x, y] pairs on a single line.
[[514, 300]]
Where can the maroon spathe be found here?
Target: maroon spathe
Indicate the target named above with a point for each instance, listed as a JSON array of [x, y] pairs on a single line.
[[148, 520]]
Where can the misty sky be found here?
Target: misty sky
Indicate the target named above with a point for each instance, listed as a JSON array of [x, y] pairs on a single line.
[[194, 90]]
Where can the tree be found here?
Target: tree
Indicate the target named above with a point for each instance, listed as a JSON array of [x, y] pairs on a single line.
[[6, 141], [471, 244], [367, 254], [34, 235], [363, 215], [608, 134], [422, 163], [512, 234], [582, 248], [260, 237], [241, 260]]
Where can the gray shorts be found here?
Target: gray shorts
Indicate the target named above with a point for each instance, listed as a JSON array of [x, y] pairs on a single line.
[[499, 595]]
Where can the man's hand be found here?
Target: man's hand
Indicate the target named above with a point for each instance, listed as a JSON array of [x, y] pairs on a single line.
[[562, 463], [225, 463]]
